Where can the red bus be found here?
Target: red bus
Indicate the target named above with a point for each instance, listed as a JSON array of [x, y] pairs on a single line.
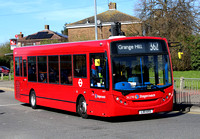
[[113, 77]]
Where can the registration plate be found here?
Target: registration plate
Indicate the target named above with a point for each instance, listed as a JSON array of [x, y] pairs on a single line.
[[146, 111]]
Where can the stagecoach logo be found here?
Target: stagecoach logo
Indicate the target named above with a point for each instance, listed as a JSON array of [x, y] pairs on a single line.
[[136, 96], [80, 83]]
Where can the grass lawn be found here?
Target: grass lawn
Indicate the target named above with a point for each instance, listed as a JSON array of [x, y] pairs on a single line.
[[6, 77], [186, 74]]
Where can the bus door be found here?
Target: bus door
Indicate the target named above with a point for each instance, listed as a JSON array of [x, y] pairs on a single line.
[[98, 81], [20, 76], [24, 78]]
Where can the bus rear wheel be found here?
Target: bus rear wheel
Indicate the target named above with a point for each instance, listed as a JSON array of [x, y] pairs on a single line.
[[82, 107], [32, 99]]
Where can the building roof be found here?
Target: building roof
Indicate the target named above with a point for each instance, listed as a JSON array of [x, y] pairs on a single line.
[[45, 34], [107, 17]]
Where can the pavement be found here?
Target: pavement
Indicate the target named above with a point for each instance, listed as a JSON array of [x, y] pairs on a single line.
[[9, 86]]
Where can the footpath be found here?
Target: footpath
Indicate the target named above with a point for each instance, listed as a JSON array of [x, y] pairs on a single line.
[[9, 86]]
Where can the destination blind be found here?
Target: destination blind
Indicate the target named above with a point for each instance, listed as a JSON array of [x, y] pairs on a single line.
[[138, 46]]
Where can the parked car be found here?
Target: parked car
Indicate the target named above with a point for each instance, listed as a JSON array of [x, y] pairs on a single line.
[[4, 70]]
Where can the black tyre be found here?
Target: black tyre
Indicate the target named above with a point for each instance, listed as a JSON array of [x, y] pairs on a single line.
[[82, 107], [32, 100]]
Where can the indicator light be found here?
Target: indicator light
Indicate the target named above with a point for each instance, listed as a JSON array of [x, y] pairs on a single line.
[[121, 101], [117, 98]]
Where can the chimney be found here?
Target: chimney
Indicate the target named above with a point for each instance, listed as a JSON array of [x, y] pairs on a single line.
[[20, 36], [112, 6], [46, 27]]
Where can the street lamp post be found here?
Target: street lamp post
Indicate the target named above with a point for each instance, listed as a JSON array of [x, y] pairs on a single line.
[[95, 19]]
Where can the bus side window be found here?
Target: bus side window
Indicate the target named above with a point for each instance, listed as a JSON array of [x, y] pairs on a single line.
[[66, 69], [20, 60], [80, 66], [53, 69], [24, 67], [16, 66], [32, 69], [42, 69]]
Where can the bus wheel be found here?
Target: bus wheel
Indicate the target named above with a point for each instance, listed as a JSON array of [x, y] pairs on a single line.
[[32, 99], [82, 108]]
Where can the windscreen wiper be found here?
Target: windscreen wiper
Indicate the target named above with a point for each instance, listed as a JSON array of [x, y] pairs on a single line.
[[160, 89]]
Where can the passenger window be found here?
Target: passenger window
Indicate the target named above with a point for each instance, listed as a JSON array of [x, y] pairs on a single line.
[[20, 66], [24, 67], [80, 66], [53, 69], [66, 69], [42, 69], [16, 66], [32, 69], [97, 70]]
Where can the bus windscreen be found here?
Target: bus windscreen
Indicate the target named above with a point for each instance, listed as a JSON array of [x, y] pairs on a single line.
[[140, 65]]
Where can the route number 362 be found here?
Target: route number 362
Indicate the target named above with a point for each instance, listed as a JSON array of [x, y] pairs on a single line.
[[154, 46]]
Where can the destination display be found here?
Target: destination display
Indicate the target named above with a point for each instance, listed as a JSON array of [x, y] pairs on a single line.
[[138, 46]]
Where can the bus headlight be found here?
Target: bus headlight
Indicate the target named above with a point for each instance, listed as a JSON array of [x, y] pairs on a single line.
[[121, 100]]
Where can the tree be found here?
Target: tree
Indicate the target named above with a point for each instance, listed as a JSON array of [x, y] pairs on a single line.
[[65, 30], [195, 53], [5, 60], [174, 20]]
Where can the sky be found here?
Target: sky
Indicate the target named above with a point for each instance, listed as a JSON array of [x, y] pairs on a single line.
[[30, 16]]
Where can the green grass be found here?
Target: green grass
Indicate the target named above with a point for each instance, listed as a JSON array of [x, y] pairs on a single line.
[[188, 83], [186, 74], [6, 77]]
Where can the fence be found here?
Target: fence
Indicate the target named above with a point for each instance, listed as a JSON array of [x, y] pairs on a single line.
[[187, 91], [9, 77]]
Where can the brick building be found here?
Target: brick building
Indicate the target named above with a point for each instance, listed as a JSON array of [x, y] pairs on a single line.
[[44, 36], [85, 28]]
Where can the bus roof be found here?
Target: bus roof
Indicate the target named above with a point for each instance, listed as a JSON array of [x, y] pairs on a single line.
[[68, 47]]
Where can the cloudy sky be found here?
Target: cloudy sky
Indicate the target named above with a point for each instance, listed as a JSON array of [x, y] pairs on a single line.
[[30, 16]]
